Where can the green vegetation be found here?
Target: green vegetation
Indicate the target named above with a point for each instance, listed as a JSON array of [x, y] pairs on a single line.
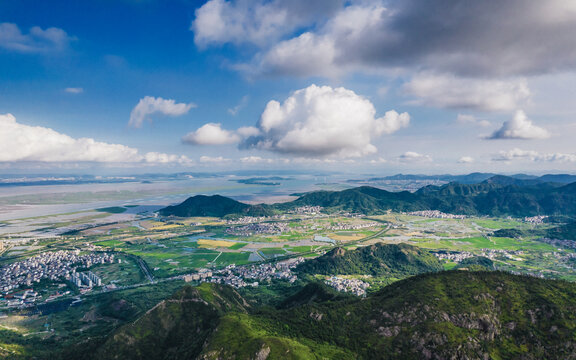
[[237, 246], [216, 205], [438, 315], [378, 260], [493, 198]]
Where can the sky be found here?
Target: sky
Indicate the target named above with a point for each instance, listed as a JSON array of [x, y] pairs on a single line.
[[367, 86]]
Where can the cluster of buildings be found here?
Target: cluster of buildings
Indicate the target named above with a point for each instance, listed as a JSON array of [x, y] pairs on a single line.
[[354, 286], [436, 214], [350, 226], [494, 253], [54, 266], [306, 210], [254, 219], [87, 279], [454, 256], [249, 275], [259, 228], [536, 220]]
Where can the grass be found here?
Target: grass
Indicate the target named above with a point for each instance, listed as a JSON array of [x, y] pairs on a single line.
[[232, 258], [237, 246], [110, 243], [273, 251]]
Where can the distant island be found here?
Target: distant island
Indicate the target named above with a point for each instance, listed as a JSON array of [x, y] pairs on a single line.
[[270, 181]]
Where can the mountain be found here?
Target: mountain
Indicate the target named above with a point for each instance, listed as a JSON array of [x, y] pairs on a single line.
[[394, 260], [215, 205], [176, 328], [442, 315], [494, 197], [364, 199]]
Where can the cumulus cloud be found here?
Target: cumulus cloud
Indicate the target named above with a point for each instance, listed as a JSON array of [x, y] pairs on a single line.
[[448, 91], [213, 159], [35, 41], [24, 143], [257, 22], [520, 127], [480, 39], [150, 105], [74, 90], [411, 156], [211, 134], [321, 121], [466, 160], [533, 156], [256, 160]]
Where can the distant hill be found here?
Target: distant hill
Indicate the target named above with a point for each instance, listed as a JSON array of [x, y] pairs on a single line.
[[394, 260], [443, 315], [215, 205], [476, 263], [494, 197], [563, 232], [475, 178]]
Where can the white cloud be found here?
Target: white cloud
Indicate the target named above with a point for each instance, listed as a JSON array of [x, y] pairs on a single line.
[[248, 131], [380, 160], [256, 160], [321, 121], [448, 91], [520, 127], [36, 41], [74, 90], [150, 105], [467, 38], [213, 160], [411, 156], [533, 156], [258, 22], [320, 53], [24, 143], [465, 119], [211, 134], [466, 160]]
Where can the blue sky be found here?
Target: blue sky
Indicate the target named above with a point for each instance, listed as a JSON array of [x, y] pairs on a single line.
[[362, 86]]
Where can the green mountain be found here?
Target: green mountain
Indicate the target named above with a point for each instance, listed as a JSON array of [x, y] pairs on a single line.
[[564, 232], [176, 328], [443, 315], [215, 205], [497, 196], [391, 260]]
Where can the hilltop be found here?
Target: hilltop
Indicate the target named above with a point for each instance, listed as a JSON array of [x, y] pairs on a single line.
[[378, 260], [215, 205]]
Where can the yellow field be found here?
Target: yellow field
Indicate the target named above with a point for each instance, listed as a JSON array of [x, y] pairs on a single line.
[[166, 227], [207, 243], [350, 237]]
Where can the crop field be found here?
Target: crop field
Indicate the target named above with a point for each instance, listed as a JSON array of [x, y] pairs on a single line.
[[212, 244]]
